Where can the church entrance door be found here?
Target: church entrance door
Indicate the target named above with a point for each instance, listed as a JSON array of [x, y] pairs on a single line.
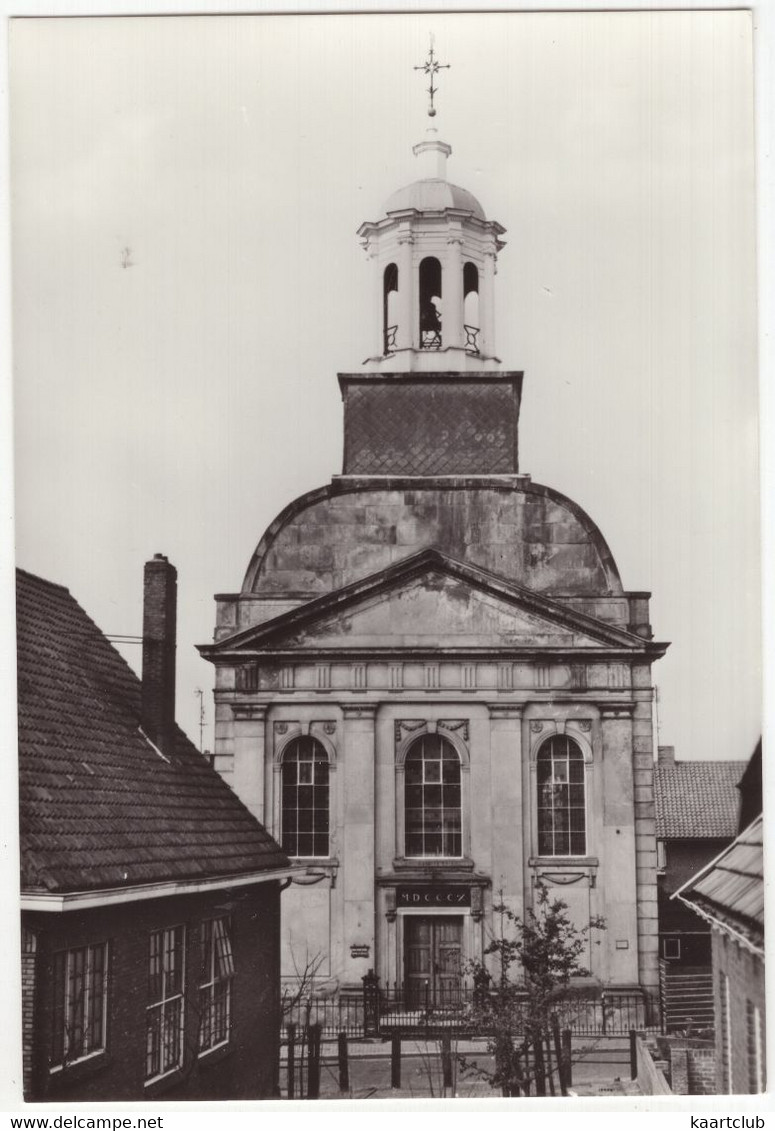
[[432, 960]]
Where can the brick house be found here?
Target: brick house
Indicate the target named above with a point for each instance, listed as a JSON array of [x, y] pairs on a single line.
[[729, 894], [697, 805], [150, 895]]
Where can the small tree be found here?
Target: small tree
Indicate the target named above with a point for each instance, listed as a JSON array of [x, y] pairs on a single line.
[[536, 958]]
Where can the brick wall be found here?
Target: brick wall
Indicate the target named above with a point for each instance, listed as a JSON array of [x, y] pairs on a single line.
[[702, 1071], [245, 1068], [745, 973], [691, 1065]]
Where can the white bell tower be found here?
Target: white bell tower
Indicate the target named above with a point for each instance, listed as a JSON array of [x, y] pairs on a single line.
[[433, 260]]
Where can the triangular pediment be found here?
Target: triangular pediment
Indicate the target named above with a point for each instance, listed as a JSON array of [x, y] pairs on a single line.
[[429, 601]]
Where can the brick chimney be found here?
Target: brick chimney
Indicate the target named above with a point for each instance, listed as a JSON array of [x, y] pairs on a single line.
[[665, 755], [160, 593]]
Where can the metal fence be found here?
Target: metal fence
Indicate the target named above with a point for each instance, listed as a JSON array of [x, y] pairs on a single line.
[[380, 1011]]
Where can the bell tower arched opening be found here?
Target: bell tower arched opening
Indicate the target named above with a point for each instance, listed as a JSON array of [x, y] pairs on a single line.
[[471, 323], [389, 307], [430, 303]]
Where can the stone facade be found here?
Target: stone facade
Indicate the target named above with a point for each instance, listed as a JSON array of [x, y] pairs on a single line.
[[434, 599]]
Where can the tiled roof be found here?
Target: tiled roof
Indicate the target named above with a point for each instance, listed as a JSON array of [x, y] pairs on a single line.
[[100, 807], [730, 890], [697, 799]]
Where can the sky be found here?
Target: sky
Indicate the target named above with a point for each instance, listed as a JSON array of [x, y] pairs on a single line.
[[177, 403]]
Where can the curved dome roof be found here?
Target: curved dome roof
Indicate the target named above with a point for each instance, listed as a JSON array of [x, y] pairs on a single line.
[[433, 195], [529, 534]]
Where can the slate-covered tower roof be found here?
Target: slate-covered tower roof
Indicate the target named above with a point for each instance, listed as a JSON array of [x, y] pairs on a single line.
[[101, 806]]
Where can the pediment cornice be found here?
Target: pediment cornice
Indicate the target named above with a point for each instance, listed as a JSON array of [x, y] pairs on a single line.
[[566, 626]]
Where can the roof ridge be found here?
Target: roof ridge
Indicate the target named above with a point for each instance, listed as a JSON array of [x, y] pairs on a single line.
[[42, 580]]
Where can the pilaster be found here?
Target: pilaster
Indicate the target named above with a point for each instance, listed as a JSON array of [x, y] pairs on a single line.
[[618, 875], [249, 752], [645, 829], [358, 836], [506, 801]]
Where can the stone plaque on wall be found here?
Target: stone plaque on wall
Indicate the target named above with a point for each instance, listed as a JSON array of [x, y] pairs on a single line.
[[433, 895]]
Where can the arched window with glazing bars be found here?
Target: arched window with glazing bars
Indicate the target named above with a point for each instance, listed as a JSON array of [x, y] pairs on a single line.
[[433, 823], [305, 798], [561, 790]]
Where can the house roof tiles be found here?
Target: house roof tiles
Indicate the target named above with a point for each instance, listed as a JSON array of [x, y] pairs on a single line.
[[697, 799], [100, 806]]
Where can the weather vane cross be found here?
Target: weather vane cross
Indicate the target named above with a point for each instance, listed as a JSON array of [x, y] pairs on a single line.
[[431, 68]]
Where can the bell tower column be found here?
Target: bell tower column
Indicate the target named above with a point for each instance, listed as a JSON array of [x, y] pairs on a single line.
[[406, 288], [487, 300], [452, 290]]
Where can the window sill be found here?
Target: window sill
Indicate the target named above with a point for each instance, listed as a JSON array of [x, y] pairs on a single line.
[[317, 861], [564, 861], [76, 1070], [161, 1084], [211, 1057], [433, 864]]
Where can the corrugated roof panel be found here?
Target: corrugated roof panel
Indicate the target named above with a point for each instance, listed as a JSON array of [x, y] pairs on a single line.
[[731, 887]]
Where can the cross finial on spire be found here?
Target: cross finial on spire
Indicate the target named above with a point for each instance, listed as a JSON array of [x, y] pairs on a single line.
[[431, 68]]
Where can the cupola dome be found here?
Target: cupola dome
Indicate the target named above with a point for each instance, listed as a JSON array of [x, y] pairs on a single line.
[[433, 195]]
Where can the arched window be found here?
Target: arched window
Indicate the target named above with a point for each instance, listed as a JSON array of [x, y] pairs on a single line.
[[432, 811], [562, 815], [305, 798], [389, 300], [471, 306], [430, 303]]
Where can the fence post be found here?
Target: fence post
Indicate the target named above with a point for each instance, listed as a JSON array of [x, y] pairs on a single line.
[[291, 1060], [559, 1054], [395, 1060], [313, 1066], [567, 1057], [446, 1060], [633, 1054], [370, 1004], [602, 1009], [540, 1069], [344, 1067]]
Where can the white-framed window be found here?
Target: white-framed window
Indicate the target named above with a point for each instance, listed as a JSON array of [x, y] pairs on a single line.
[[561, 798], [164, 1014], [80, 1004], [215, 984], [305, 798], [671, 948], [433, 814]]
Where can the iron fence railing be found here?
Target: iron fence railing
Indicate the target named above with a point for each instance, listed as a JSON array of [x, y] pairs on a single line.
[[381, 1011], [472, 338]]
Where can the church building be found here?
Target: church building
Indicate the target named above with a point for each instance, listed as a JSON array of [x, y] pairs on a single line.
[[432, 687]]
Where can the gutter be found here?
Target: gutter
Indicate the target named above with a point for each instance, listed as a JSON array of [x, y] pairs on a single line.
[[107, 897]]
